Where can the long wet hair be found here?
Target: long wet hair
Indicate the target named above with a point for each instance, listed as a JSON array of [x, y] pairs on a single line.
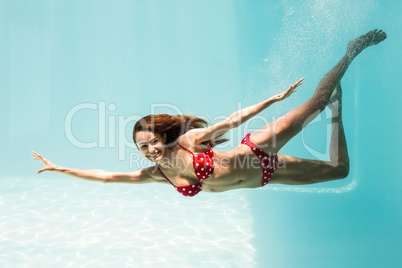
[[173, 126]]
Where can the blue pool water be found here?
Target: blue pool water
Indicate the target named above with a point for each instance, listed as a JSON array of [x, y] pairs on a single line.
[[76, 75]]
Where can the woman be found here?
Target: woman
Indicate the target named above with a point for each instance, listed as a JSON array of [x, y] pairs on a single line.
[[180, 146]]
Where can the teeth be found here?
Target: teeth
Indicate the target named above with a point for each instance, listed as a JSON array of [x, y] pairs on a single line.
[[154, 155]]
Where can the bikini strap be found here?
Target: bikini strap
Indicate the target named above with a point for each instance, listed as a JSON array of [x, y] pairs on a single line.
[[186, 149], [165, 176]]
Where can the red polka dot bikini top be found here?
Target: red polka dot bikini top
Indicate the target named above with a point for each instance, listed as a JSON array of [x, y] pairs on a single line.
[[203, 164]]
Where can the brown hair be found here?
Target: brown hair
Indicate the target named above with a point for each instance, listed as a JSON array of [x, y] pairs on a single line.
[[173, 126]]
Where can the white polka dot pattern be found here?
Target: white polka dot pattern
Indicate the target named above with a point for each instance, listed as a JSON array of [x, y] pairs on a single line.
[[185, 190], [203, 164]]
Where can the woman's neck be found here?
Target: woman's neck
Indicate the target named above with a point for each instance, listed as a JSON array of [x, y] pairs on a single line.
[[167, 159]]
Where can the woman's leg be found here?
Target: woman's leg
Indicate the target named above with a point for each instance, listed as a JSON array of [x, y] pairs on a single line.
[[272, 137], [297, 171], [338, 150]]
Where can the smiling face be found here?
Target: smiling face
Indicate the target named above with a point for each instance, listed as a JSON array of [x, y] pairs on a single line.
[[151, 145]]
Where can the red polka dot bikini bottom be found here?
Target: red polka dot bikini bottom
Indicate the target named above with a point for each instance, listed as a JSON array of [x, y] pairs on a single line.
[[268, 162]]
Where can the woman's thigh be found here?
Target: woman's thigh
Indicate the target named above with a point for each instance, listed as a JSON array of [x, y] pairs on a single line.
[[298, 171], [273, 136]]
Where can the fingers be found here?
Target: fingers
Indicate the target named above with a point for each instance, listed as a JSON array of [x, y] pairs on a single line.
[[295, 85], [37, 156], [298, 83], [35, 153], [292, 88]]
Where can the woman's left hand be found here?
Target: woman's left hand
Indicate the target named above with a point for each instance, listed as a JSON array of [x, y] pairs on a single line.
[[289, 91]]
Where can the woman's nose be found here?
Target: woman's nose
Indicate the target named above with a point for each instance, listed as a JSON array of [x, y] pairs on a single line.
[[151, 149]]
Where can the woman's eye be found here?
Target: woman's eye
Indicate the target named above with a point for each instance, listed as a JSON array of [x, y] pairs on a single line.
[[153, 142]]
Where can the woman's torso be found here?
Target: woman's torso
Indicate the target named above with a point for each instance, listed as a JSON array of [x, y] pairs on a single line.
[[237, 168]]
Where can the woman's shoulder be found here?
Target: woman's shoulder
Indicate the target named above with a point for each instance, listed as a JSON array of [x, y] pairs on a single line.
[[188, 145], [149, 173], [184, 140], [152, 172]]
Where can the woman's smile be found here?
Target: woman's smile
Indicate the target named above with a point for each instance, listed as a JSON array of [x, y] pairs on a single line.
[[154, 155]]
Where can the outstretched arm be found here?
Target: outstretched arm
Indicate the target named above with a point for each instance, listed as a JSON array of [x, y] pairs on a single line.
[[245, 114], [141, 176], [196, 136]]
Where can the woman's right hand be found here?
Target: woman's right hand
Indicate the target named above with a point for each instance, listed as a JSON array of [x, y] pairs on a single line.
[[289, 91], [49, 166]]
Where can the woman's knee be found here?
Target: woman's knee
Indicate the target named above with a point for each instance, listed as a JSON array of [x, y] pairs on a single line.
[[339, 171], [343, 170], [322, 96]]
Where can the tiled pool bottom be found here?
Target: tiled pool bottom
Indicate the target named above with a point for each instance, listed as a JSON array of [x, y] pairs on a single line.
[[68, 223]]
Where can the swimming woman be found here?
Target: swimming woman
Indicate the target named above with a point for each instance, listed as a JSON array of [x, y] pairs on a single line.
[[180, 146]]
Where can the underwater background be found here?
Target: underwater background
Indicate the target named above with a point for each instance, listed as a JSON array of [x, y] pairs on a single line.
[[76, 75]]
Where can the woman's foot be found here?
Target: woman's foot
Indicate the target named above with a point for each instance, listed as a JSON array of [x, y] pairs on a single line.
[[371, 38]]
